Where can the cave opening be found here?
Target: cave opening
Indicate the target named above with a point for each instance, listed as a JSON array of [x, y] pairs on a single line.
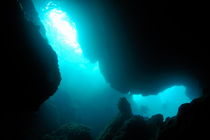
[[87, 94]]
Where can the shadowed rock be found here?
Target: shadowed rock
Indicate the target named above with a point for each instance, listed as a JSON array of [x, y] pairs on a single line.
[[112, 129], [146, 46], [29, 73], [133, 127], [192, 122], [30, 68], [70, 132], [124, 108]]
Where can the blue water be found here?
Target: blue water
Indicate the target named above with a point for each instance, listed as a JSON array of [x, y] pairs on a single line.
[[89, 97], [166, 102]]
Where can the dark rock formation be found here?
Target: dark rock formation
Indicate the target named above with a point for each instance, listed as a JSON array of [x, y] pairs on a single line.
[[133, 127], [29, 73], [124, 108], [125, 113], [146, 46], [192, 122], [70, 132], [30, 67], [138, 127]]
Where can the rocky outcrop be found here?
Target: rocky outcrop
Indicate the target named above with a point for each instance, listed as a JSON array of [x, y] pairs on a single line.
[[191, 122], [124, 108], [137, 127], [112, 129], [132, 127]]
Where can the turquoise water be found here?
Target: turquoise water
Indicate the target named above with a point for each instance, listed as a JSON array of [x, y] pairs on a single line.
[[166, 102], [90, 95]]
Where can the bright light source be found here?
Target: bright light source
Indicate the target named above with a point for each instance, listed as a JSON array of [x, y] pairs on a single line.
[[62, 36], [64, 29]]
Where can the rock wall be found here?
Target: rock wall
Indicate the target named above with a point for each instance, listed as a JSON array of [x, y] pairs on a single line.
[[191, 122], [29, 74], [30, 67]]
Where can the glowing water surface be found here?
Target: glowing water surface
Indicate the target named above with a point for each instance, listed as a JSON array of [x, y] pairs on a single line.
[[83, 80]]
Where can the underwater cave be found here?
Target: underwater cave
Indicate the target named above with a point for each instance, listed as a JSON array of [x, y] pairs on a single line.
[[117, 74], [76, 71]]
